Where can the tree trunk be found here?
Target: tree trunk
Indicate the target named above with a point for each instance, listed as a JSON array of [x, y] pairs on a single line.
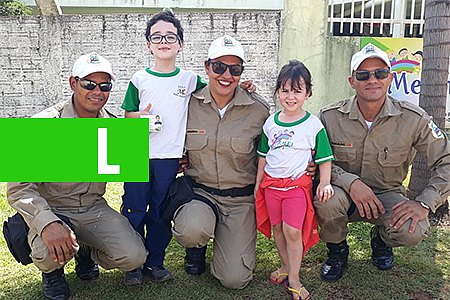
[[433, 89], [48, 7]]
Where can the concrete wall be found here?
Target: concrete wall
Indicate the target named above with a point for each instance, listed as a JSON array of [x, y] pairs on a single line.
[[38, 52], [176, 4], [304, 37]]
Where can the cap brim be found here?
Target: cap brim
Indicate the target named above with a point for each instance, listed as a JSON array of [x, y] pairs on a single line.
[[388, 63], [217, 55], [86, 73]]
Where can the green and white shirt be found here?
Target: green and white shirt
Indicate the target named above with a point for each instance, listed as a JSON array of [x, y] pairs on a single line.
[[287, 146], [169, 94]]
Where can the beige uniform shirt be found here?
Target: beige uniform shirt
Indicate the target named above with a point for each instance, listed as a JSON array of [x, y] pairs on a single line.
[[35, 201], [380, 156], [222, 152]]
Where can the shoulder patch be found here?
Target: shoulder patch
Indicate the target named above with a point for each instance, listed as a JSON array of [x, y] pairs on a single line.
[[435, 130], [412, 107], [334, 105]]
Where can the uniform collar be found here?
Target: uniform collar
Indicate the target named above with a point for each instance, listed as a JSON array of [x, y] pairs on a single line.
[[69, 111], [351, 108], [388, 109], [241, 97]]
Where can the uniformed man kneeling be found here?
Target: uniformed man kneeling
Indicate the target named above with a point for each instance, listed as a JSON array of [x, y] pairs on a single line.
[[374, 139], [64, 215]]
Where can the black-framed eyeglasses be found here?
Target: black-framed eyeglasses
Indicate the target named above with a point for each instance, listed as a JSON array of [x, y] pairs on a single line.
[[365, 75], [90, 85], [219, 67], [170, 38]]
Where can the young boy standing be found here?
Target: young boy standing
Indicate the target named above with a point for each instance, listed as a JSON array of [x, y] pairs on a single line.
[[163, 89]]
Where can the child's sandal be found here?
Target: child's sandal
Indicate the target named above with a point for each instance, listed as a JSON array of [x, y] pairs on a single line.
[[299, 293], [277, 277]]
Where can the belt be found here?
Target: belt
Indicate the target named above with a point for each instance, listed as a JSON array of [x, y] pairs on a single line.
[[233, 192]]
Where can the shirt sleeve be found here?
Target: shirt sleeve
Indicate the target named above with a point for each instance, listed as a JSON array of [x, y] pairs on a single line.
[[201, 83], [323, 149], [435, 146], [131, 100], [263, 146], [25, 198]]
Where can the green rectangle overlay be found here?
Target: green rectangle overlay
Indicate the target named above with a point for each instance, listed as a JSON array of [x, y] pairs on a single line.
[[67, 150]]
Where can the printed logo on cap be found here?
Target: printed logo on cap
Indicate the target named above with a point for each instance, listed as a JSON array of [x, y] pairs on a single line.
[[227, 42], [369, 49], [93, 58]]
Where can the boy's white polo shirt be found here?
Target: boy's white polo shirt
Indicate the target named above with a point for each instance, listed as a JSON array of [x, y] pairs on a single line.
[[169, 94]]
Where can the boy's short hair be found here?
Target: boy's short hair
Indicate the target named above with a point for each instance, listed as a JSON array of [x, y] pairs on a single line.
[[166, 16]]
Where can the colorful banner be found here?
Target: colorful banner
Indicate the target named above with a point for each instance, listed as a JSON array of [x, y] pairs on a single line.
[[406, 64], [74, 150]]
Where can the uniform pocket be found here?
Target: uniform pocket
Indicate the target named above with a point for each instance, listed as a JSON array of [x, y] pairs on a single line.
[[249, 261], [344, 154], [196, 150], [196, 142], [240, 145], [391, 163], [391, 158]]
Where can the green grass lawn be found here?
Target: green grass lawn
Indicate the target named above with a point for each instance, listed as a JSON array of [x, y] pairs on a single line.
[[420, 273]]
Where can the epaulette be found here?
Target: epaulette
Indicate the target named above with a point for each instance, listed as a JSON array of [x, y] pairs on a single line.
[[199, 94], [334, 105], [258, 98], [412, 107], [51, 112]]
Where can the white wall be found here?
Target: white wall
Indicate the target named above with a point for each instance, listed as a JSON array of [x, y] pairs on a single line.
[[195, 4]]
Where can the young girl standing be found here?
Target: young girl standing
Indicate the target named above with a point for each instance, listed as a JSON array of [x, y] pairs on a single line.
[[283, 191]]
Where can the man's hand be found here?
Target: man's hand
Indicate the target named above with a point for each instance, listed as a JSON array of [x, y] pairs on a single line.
[[311, 167], [248, 85], [405, 210], [61, 242], [367, 203], [184, 164]]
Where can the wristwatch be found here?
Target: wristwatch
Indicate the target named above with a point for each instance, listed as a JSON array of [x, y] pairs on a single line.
[[424, 205]]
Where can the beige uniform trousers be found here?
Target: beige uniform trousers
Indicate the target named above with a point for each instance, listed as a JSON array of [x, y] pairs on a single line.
[[234, 235], [333, 219], [114, 242]]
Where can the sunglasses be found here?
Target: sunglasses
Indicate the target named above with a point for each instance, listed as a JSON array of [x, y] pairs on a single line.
[[157, 38], [365, 75], [220, 68], [90, 85]]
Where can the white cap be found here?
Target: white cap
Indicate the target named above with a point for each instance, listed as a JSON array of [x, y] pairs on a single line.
[[369, 51], [225, 45], [91, 63]]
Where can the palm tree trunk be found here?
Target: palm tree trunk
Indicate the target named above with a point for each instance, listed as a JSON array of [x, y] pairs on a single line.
[[433, 89], [48, 7]]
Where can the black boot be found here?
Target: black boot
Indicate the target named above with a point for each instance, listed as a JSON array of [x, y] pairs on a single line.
[[333, 268], [85, 267], [194, 261], [382, 256], [55, 286]]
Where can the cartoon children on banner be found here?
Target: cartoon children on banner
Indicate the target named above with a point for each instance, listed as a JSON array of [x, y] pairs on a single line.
[[403, 63]]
